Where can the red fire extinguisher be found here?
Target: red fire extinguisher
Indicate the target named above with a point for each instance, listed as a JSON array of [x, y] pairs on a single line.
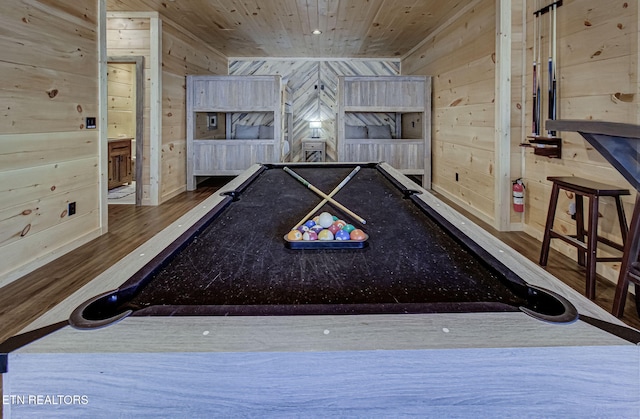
[[518, 195]]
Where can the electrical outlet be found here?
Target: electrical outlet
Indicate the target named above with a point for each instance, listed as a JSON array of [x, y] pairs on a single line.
[[90, 122], [71, 209]]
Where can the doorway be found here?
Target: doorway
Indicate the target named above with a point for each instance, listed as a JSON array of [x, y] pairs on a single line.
[[125, 129]]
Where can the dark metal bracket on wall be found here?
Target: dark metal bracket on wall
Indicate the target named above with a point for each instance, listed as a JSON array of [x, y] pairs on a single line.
[[547, 8]]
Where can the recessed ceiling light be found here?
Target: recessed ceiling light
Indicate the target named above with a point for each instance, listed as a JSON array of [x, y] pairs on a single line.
[[316, 32]]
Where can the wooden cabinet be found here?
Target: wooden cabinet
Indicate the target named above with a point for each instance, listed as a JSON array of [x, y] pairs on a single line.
[[119, 162], [313, 149]]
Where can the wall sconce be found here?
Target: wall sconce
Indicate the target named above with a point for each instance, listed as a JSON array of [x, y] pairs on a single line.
[[315, 128]]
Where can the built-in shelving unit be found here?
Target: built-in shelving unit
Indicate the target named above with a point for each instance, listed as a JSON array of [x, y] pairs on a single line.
[[234, 122], [386, 118]]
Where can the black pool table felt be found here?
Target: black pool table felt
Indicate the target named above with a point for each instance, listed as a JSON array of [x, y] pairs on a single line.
[[239, 264]]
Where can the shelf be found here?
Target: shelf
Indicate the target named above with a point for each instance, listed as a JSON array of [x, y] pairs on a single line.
[[545, 146]]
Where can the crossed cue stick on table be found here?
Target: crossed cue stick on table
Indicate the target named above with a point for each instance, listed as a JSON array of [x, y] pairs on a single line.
[[326, 198]]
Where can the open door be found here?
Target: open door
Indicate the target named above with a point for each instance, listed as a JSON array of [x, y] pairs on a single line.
[[125, 128]]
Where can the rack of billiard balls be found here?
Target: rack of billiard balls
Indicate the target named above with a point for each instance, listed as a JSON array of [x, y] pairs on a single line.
[[326, 227]]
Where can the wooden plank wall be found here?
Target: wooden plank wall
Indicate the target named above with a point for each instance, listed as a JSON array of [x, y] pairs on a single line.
[[49, 84], [598, 47], [308, 102], [520, 87], [598, 79], [180, 54], [461, 59], [121, 112], [131, 37]]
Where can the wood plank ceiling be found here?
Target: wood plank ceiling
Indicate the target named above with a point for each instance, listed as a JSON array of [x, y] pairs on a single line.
[[283, 28]]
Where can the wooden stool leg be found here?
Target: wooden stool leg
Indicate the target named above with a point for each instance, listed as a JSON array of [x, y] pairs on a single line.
[[631, 251], [580, 227], [622, 219], [592, 247], [546, 241]]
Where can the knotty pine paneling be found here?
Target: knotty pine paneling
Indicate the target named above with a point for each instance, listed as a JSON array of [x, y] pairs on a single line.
[[61, 100], [471, 36], [131, 37], [121, 100], [182, 55], [37, 183], [49, 83], [35, 217], [519, 126], [461, 57], [475, 184], [377, 29], [29, 150], [69, 29], [49, 69], [461, 60], [597, 79]]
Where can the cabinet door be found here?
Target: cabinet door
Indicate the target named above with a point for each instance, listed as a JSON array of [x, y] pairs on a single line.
[[119, 163], [124, 166], [111, 172]]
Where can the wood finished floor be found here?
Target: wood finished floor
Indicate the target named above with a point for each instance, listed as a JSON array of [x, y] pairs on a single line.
[[24, 300]]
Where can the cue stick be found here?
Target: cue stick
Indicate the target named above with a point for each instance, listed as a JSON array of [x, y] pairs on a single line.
[[550, 82], [554, 40], [333, 192], [534, 126], [325, 196], [539, 75]]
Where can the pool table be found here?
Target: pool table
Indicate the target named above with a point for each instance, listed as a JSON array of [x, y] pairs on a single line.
[[236, 261], [432, 315]]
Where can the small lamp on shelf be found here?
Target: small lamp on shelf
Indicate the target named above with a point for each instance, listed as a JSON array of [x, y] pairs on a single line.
[[315, 128]]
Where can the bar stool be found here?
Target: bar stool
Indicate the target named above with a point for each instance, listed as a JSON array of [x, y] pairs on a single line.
[[593, 190], [630, 267]]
